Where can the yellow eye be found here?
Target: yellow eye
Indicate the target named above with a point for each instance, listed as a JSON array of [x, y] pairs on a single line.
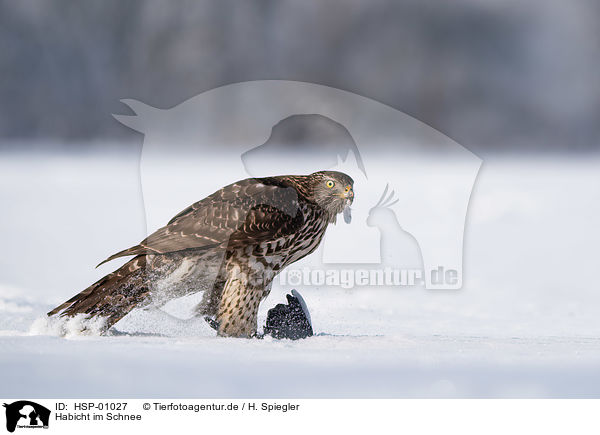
[[330, 184]]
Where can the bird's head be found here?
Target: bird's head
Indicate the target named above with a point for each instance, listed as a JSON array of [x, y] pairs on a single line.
[[333, 191]]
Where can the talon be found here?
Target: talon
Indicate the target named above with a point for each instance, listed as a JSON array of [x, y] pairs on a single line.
[[212, 323]]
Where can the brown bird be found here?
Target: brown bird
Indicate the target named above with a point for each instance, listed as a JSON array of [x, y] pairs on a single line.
[[230, 245]]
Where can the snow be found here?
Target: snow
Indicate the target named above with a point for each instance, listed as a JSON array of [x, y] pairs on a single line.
[[525, 323]]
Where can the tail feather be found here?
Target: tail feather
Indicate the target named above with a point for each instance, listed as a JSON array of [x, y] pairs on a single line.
[[111, 297]]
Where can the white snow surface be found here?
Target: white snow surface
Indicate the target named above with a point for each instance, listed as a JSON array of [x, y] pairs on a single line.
[[525, 324]]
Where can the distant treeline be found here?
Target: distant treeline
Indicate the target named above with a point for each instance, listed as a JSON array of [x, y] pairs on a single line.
[[491, 74]]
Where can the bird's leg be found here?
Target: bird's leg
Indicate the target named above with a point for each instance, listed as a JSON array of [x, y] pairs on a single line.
[[238, 310]]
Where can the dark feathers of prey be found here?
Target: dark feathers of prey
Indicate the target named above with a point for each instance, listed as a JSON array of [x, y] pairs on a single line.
[[230, 245]]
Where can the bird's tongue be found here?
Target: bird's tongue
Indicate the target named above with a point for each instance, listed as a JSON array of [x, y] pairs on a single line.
[[347, 215]]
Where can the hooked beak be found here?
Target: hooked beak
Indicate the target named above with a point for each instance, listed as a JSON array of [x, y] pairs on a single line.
[[349, 197], [348, 194]]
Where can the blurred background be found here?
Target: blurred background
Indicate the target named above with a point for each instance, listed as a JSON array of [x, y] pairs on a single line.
[[493, 75]]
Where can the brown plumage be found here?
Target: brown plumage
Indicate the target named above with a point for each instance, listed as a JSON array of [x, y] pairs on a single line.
[[230, 245]]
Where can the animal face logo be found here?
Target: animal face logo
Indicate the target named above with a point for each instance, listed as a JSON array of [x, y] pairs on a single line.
[[412, 183], [26, 414]]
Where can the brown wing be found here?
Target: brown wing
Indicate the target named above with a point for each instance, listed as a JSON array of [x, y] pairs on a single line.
[[251, 210]]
